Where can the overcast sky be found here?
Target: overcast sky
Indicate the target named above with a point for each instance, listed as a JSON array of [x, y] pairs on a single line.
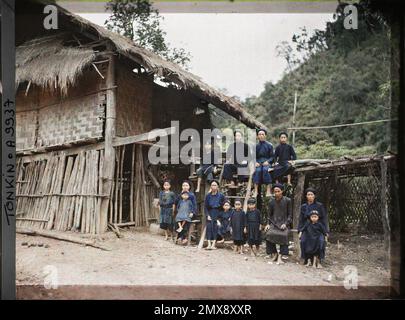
[[236, 52]]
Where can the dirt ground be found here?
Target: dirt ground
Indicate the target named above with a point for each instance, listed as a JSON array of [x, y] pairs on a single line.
[[142, 258]]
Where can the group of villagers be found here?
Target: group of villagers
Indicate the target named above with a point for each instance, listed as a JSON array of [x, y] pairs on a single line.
[[228, 221]]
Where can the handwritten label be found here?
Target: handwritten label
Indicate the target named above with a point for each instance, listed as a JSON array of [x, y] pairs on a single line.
[[8, 174]]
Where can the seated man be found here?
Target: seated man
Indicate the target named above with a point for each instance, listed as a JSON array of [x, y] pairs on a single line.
[[238, 156], [264, 158], [284, 157]]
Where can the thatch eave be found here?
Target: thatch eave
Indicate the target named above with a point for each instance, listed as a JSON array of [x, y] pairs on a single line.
[[162, 68]]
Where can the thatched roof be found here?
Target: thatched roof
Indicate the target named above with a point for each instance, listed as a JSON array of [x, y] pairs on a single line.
[[47, 63], [147, 59]]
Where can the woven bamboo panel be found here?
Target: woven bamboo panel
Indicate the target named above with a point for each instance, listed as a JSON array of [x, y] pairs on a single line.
[[134, 103], [73, 120], [353, 200], [47, 118], [26, 129]]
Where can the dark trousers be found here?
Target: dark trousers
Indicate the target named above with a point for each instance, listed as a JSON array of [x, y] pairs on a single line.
[[184, 233], [230, 169], [271, 248], [262, 175]]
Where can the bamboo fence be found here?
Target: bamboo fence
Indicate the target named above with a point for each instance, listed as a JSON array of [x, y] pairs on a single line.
[[63, 192]]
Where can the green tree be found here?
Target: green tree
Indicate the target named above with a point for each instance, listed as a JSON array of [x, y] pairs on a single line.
[[140, 22], [342, 76]]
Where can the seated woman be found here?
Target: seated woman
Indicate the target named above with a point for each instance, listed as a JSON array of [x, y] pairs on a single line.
[[207, 168], [238, 156]]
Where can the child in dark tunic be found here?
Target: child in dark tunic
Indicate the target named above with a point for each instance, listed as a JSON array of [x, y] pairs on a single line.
[[166, 204], [284, 155], [238, 226], [184, 212], [254, 221], [225, 221], [312, 244]]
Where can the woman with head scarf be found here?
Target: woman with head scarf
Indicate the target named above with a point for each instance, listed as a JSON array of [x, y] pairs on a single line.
[[238, 155], [213, 205], [311, 204]]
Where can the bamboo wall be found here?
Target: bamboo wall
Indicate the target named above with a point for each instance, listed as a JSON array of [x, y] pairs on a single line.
[[46, 119], [63, 192], [134, 102], [132, 193]]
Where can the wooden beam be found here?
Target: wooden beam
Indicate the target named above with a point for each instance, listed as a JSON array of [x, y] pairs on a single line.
[[153, 178], [59, 236], [109, 153], [384, 206], [298, 192], [147, 136]]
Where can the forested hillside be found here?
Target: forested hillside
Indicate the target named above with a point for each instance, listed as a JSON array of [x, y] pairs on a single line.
[[342, 76]]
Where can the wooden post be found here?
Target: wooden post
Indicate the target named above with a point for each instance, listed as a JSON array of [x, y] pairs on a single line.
[[298, 191], [293, 121], [109, 153], [384, 206]]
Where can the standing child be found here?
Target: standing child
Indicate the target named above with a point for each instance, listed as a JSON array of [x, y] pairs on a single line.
[[166, 204], [238, 225], [225, 220], [186, 186], [213, 204], [254, 222], [184, 215], [284, 157], [313, 237]]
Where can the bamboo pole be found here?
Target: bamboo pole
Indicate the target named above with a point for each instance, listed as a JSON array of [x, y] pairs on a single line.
[[109, 155], [121, 181], [57, 189], [117, 184], [298, 192], [131, 194], [64, 237]]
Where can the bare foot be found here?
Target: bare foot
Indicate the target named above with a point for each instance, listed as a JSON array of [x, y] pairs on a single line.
[[279, 261], [308, 263], [315, 262]]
